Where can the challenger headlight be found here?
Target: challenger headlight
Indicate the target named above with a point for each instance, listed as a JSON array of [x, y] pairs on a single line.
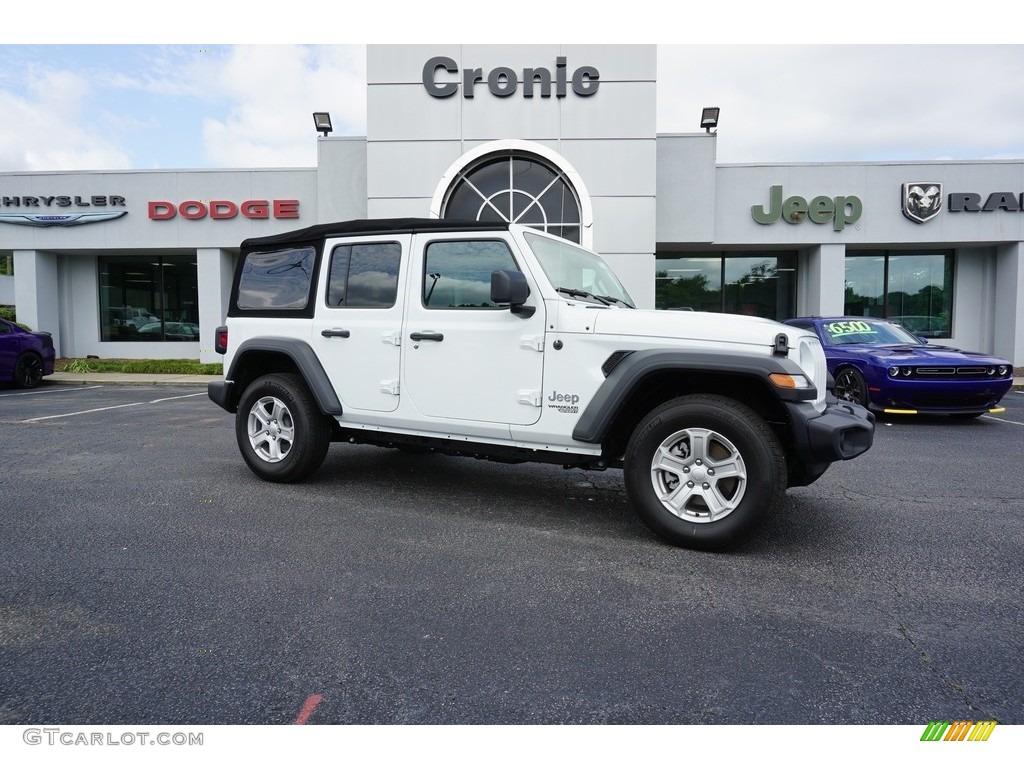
[[1003, 370], [894, 371]]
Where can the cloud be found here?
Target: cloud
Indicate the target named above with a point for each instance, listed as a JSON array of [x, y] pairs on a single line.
[[138, 106], [849, 102], [271, 92], [49, 127]]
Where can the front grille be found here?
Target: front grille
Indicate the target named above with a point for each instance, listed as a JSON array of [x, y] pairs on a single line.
[[947, 401], [947, 372], [811, 357]]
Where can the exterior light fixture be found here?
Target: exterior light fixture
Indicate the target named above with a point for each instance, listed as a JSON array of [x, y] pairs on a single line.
[[709, 118], [322, 121]]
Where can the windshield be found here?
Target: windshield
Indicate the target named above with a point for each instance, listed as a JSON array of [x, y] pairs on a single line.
[[877, 332], [577, 272]]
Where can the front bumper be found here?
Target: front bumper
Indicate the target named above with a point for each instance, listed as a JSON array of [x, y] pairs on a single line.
[[938, 396], [842, 432]]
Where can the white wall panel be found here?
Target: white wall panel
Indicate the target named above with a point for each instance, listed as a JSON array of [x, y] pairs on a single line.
[[408, 168], [617, 111], [614, 168], [392, 207], [686, 187]]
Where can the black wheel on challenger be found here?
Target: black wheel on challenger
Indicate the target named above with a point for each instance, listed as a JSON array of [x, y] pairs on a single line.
[[850, 386], [704, 471], [28, 371], [280, 431]]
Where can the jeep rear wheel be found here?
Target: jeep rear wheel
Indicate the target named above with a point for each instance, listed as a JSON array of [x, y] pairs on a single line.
[[704, 471], [280, 431]]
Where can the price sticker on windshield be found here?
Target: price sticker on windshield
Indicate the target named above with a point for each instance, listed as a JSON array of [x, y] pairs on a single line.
[[844, 327]]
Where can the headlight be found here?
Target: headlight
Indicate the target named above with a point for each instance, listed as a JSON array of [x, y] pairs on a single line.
[[1003, 370], [990, 371], [894, 371], [906, 371]]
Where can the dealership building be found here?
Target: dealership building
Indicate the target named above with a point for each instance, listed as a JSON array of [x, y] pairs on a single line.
[[139, 263]]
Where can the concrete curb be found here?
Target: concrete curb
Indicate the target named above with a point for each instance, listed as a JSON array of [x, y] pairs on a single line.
[[131, 378]]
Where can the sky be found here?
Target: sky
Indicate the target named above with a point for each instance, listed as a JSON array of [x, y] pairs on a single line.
[[80, 92]]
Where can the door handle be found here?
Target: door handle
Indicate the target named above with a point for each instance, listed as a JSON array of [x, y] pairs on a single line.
[[329, 332], [426, 336]]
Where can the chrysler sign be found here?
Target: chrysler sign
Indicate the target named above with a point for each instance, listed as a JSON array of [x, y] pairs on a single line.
[[50, 210]]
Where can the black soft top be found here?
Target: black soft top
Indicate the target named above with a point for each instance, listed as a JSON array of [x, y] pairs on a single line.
[[318, 232]]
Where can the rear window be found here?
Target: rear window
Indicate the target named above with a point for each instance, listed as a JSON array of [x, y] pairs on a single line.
[[276, 279]]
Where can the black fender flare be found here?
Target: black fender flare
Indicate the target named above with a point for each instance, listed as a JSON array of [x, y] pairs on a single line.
[[634, 367], [306, 361]]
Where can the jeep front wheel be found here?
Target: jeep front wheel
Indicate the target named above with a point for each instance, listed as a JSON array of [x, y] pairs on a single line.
[[280, 431], [704, 471]]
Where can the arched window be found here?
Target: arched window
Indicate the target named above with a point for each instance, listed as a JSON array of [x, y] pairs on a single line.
[[515, 187]]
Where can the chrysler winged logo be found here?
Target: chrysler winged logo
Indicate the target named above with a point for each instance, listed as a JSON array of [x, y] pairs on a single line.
[[59, 219], [922, 200]]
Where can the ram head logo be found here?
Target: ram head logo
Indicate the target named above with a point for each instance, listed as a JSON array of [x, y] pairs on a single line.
[[922, 200]]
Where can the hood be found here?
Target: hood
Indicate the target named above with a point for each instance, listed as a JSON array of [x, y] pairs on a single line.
[[928, 354], [695, 326]]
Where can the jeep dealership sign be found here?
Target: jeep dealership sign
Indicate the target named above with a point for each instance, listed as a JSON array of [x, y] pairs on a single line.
[[840, 210]]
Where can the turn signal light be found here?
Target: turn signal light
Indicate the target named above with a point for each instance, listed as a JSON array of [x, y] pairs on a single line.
[[785, 381]]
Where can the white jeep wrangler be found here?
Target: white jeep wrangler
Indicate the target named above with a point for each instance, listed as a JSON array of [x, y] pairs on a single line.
[[501, 342]]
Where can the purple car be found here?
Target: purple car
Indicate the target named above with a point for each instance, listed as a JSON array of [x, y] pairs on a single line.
[[885, 367], [25, 356]]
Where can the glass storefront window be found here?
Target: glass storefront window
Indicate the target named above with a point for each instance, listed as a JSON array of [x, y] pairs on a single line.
[[913, 289], [147, 298], [761, 284], [689, 282]]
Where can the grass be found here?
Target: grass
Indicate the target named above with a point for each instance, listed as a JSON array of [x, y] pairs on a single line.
[[119, 365]]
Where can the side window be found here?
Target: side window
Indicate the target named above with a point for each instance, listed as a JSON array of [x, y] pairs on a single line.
[[364, 275], [457, 273], [276, 279]]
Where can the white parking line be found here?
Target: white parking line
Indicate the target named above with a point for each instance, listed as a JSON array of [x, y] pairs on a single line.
[[177, 397], [48, 391], [112, 407], [79, 413], [1005, 421]]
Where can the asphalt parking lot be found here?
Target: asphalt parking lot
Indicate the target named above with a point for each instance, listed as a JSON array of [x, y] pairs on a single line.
[[149, 577]]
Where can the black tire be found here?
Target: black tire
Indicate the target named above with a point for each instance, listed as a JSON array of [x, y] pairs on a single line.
[[732, 456], [28, 371], [280, 431], [850, 386]]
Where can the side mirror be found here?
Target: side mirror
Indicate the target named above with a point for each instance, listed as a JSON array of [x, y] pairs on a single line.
[[510, 287]]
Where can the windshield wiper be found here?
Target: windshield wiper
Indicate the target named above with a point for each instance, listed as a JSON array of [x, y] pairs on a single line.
[[606, 300], [617, 301]]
